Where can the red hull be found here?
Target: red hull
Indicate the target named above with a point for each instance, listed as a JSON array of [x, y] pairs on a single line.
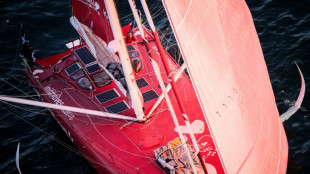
[[119, 146]]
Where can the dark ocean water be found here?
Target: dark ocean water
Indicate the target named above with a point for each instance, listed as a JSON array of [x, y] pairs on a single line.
[[284, 31]]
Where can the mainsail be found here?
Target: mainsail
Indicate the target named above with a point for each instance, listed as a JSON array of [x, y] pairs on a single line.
[[222, 52]]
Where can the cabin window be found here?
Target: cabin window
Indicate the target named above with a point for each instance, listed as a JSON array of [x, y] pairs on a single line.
[[84, 83], [102, 79], [80, 73], [136, 64], [133, 54]]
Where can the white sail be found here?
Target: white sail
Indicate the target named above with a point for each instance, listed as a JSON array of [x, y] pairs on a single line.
[[218, 41]]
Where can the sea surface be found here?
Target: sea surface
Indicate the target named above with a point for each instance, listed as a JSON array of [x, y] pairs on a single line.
[[283, 27]]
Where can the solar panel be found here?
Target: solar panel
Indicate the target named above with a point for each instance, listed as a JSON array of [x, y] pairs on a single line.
[[118, 107], [85, 56], [130, 48], [141, 83], [149, 95], [73, 68], [93, 68], [107, 96]]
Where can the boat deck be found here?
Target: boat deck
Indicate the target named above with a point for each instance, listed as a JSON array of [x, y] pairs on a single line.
[[115, 145]]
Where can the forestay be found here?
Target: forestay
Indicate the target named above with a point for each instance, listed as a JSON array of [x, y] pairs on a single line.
[[222, 52]]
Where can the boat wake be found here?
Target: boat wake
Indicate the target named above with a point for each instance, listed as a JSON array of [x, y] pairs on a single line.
[[296, 106]]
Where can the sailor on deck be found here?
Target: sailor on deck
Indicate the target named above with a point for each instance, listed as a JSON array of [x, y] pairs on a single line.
[[131, 38]]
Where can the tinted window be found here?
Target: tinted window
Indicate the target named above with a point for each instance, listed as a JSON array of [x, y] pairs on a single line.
[[84, 83], [80, 73], [101, 79], [136, 64], [133, 54]]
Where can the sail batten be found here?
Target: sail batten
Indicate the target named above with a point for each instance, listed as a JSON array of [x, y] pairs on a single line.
[[222, 52]]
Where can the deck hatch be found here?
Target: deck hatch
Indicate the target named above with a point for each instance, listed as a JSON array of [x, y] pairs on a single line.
[[107, 96], [93, 68], [149, 95], [141, 83], [118, 107], [85, 56], [73, 68]]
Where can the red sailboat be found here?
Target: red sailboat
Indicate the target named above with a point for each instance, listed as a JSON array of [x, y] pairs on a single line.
[[130, 108]]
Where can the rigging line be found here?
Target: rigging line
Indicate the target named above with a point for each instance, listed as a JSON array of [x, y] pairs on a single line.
[[68, 93], [94, 126], [52, 44], [18, 45], [111, 142], [35, 111], [174, 44], [127, 167], [50, 115], [14, 78], [58, 140], [99, 106], [116, 157], [150, 158], [126, 16], [16, 88], [7, 68], [63, 107], [154, 116], [158, 12], [122, 132], [163, 35], [168, 40], [81, 93]]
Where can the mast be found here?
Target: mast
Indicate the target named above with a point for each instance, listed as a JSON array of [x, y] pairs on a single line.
[[171, 79], [161, 83], [125, 60]]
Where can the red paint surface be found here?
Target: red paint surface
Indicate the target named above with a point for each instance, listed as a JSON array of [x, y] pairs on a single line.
[[113, 145]]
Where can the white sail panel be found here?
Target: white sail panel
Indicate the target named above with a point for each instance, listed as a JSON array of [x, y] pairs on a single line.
[[222, 52]]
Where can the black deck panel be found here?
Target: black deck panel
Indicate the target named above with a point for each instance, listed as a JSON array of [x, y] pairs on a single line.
[[130, 48], [85, 55], [141, 83], [107, 96], [93, 68], [118, 107], [149, 95]]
